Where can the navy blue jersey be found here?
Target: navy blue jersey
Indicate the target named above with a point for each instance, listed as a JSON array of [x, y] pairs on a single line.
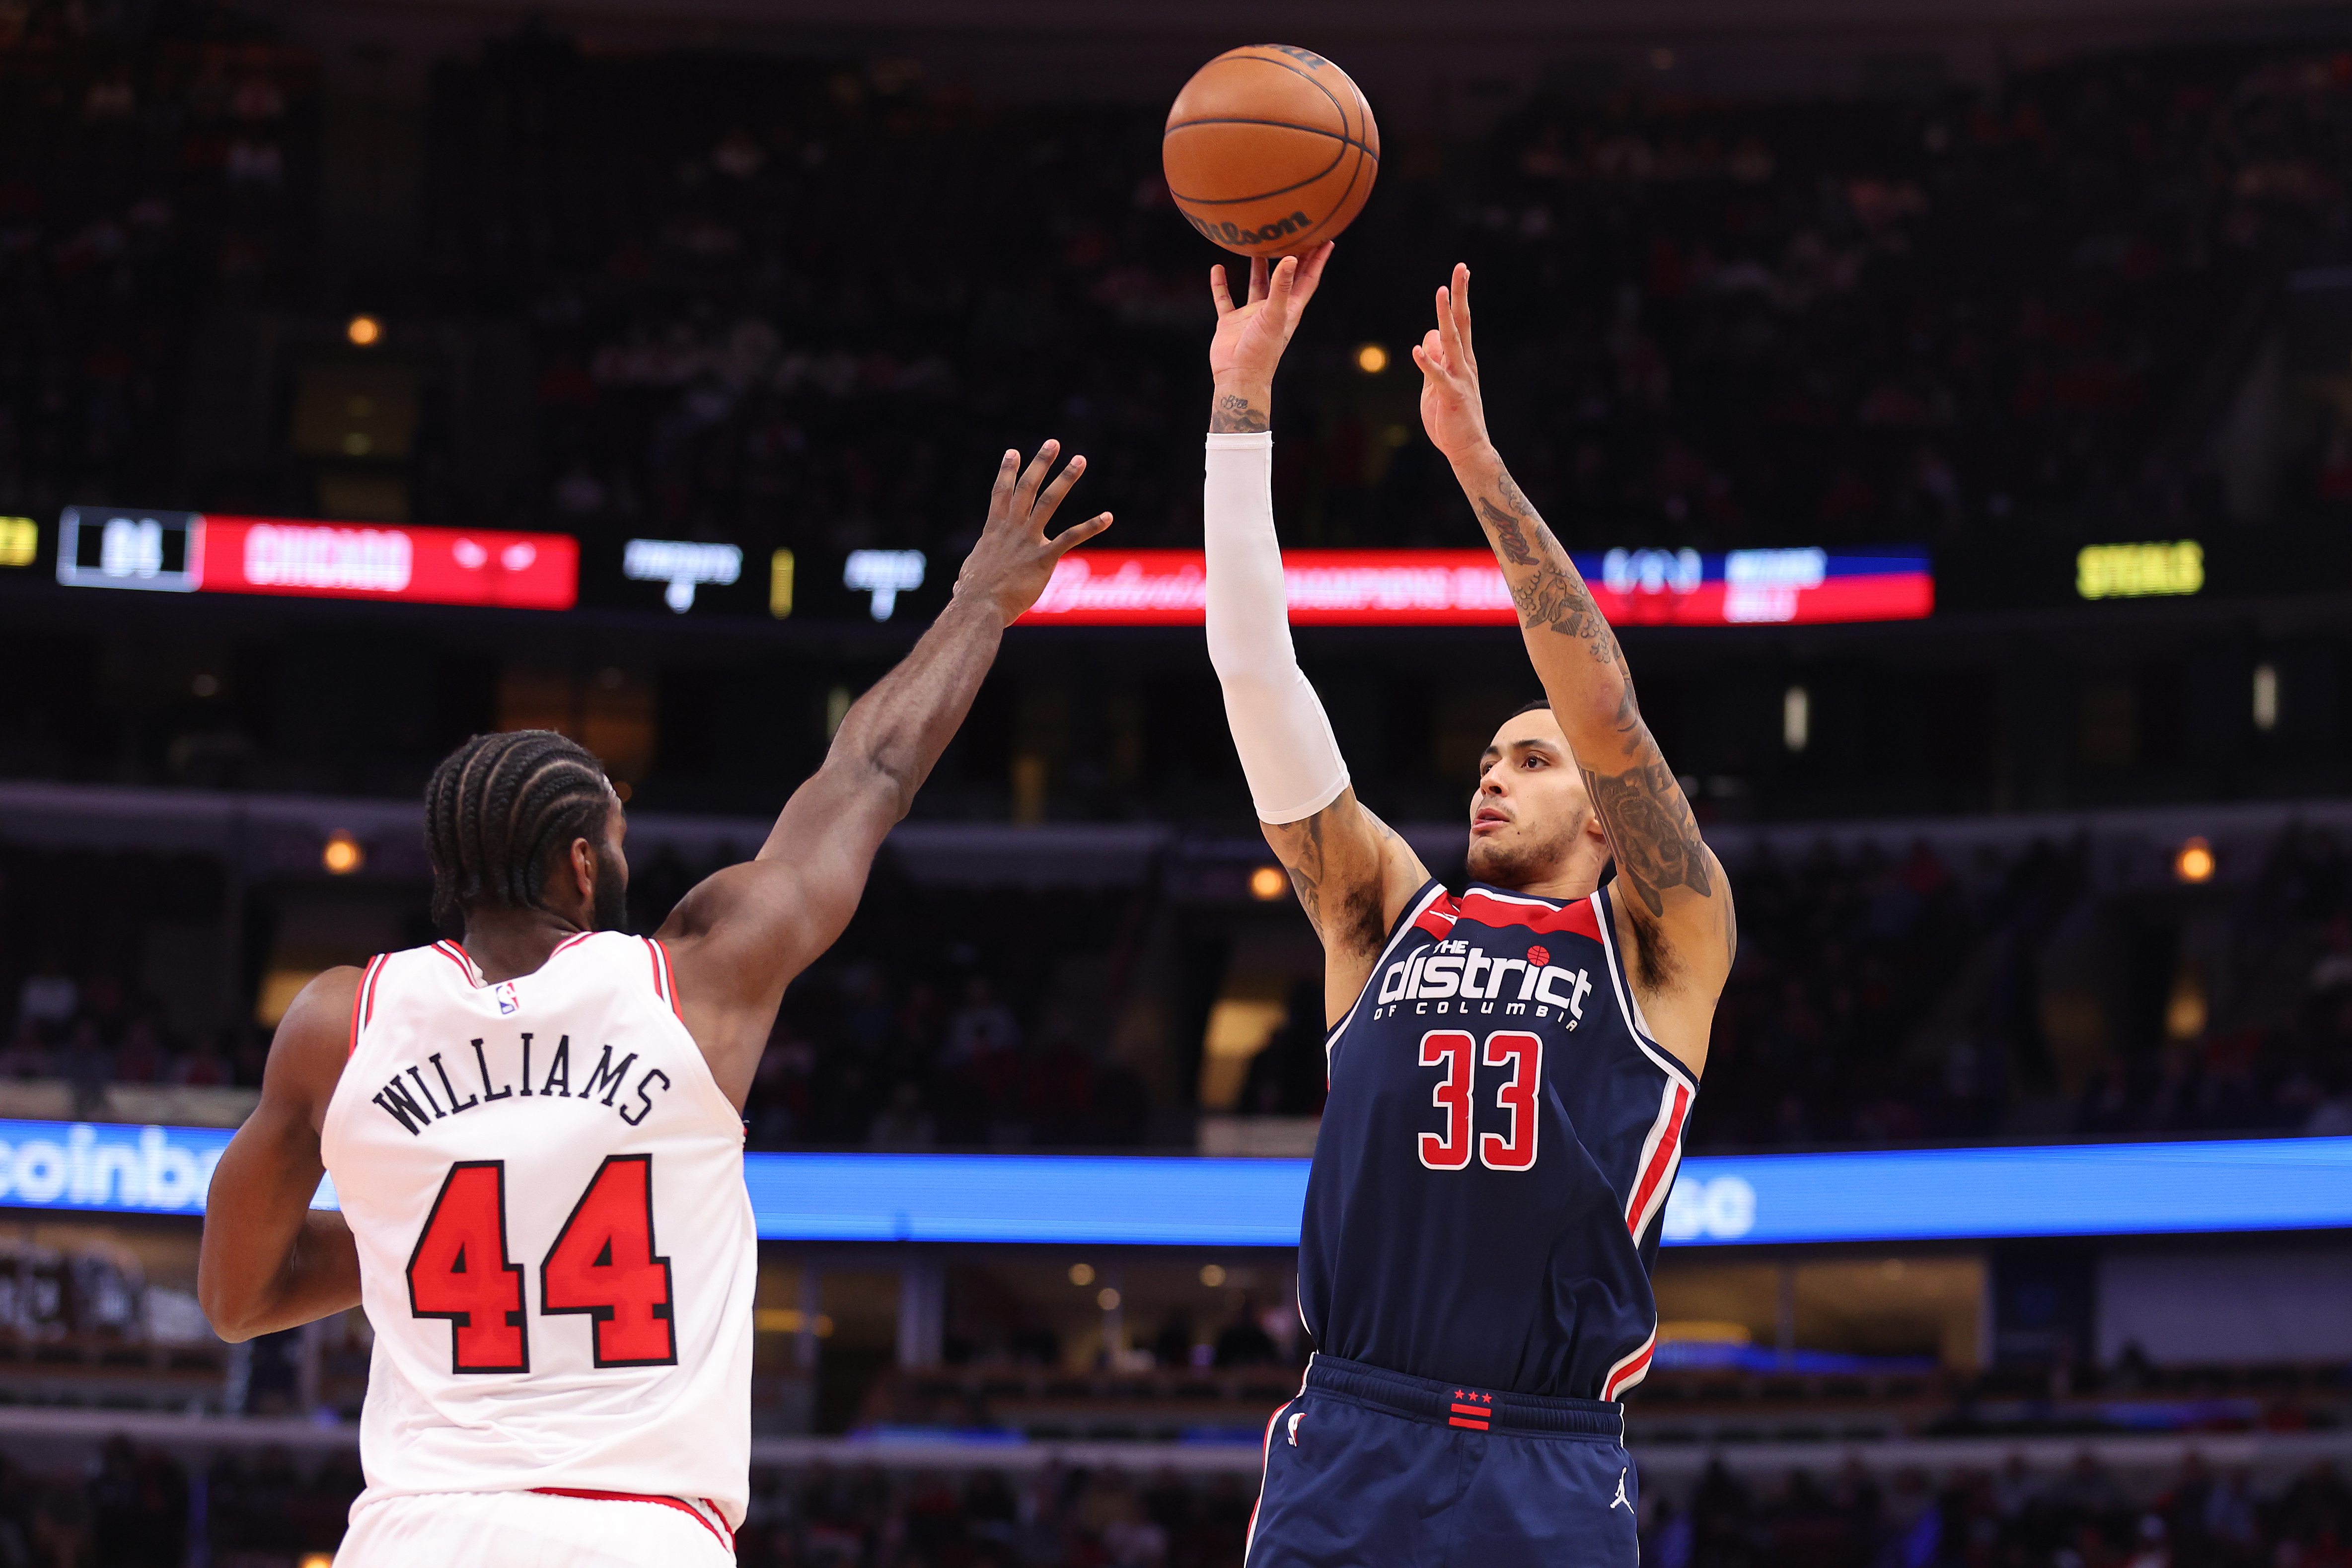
[[1495, 1153]]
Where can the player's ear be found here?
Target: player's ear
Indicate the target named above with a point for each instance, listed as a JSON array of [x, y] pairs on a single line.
[[584, 871]]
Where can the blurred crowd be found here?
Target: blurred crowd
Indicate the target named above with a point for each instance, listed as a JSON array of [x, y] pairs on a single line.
[[157, 164], [786, 303], [139, 1508], [1880, 997], [2085, 1516], [1719, 323]]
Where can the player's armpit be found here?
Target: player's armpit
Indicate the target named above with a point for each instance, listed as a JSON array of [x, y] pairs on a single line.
[[1353, 874], [268, 1261]]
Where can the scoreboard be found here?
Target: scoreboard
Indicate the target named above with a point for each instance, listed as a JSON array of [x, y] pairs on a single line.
[[192, 553]]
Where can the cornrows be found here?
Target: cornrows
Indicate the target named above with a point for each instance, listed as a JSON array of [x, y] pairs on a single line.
[[498, 810]]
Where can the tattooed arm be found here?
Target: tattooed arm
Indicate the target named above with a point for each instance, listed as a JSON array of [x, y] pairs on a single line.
[[1354, 874], [1673, 904]]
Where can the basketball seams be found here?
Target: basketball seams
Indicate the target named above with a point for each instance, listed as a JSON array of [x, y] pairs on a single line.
[[1337, 108], [1342, 136]]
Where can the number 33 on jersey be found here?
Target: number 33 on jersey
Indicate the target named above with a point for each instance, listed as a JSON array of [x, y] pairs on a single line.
[[556, 1249]]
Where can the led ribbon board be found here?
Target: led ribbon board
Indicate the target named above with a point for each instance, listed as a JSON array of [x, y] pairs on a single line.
[[187, 552], [1465, 588], [2112, 1190]]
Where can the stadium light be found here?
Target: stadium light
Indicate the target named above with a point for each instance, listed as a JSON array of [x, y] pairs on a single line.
[[2194, 862], [364, 331], [1266, 883], [342, 855], [1372, 358], [2266, 698], [1796, 718]]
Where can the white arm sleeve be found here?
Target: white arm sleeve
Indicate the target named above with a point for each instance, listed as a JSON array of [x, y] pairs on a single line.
[[1288, 751]]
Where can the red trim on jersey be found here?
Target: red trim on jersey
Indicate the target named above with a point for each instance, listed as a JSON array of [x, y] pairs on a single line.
[[1488, 910], [363, 1003], [669, 978], [1662, 1161], [459, 957], [718, 1531], [1438, 918], [1631, 1370], [568, 941]]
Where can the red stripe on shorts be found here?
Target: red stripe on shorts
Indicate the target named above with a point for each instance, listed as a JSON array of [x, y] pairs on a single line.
[[687, 1508]]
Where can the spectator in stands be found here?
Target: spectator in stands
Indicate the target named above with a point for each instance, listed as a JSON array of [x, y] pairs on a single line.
[[1243, 1340], [49, 998], [905, 1125]]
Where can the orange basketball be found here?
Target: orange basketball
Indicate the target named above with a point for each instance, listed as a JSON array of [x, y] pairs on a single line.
[[1270, 150]]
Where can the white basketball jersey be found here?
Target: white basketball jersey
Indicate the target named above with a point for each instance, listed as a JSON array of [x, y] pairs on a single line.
[[556, 1248]]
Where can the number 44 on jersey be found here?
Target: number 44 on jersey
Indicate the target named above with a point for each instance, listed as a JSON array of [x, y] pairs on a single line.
[[602, 1266]]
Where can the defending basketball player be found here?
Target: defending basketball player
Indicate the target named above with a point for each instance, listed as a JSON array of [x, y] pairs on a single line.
[[1510, 1068], [536, 1137]]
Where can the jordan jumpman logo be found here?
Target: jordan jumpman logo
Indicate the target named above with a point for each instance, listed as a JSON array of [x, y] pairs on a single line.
[[1620, 1501]]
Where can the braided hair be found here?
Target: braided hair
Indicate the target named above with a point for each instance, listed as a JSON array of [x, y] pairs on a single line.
[[500, 810]]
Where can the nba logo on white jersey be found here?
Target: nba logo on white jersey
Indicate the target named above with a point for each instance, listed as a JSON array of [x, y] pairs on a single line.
[[510, 1004]]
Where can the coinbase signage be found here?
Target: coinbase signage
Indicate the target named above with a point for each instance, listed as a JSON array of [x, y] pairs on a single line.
[[108, 1167], [2267, 1183]]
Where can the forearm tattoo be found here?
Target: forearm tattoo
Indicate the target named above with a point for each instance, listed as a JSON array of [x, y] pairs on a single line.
[[1552, 594]]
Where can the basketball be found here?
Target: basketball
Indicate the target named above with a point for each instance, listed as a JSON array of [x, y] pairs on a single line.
[[1270, 150]]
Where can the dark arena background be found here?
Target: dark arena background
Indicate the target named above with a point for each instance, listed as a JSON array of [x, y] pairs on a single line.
[[1953, 400]]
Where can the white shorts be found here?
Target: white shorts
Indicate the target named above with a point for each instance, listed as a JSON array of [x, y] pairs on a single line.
[[530, 1529]]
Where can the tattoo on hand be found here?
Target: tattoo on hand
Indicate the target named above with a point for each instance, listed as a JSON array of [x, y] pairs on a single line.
[[1232, 415]]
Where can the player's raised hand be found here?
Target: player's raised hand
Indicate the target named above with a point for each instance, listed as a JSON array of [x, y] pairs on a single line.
[[1011, 564], [1251, 336], [1452, 410]]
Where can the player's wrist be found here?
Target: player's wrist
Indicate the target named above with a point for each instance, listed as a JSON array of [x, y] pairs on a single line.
[[1479, 460], [1241, 405]]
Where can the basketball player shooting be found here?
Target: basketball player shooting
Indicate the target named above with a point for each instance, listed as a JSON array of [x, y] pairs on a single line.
[[536, 1137], [1510, 1069]]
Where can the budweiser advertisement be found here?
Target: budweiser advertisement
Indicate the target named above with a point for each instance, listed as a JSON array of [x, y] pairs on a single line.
[[1465, 588], [190, 552]]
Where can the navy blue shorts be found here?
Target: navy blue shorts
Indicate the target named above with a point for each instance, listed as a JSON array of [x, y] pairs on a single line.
[[1371, 1468]]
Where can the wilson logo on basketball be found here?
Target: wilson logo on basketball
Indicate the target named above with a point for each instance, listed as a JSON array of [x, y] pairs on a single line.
[[1233, 234]]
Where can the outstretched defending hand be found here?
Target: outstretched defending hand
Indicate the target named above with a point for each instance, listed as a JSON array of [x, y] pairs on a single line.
[[1013, 559], [1251, 335], [1452, 410]]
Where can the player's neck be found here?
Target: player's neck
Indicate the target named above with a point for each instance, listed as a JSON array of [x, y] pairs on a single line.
[[506, 943], [1565, 881], [1566, 888]]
